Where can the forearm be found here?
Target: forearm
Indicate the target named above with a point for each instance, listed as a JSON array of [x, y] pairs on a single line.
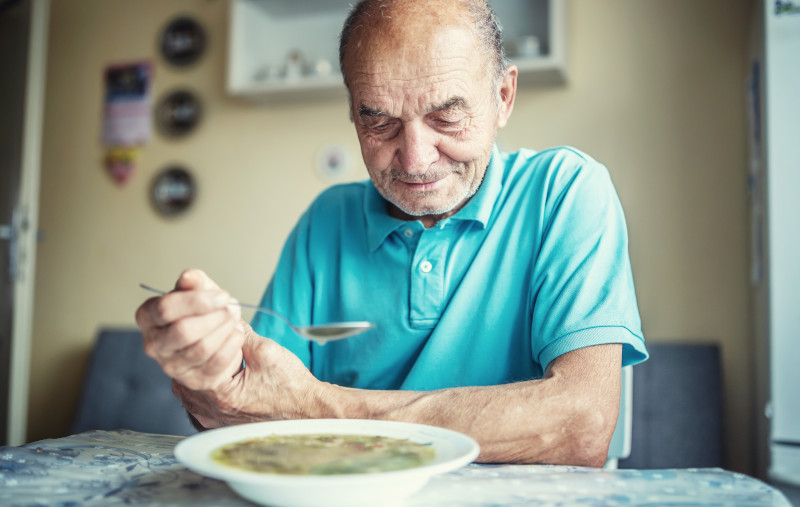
[[567, 417]]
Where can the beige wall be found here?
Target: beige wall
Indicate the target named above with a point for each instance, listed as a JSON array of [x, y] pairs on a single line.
[[656, 92]]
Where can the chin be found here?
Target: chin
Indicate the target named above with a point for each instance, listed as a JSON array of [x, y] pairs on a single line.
[[428, 208]]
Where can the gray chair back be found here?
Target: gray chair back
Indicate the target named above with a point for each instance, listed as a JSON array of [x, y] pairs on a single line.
[[677, 408], [125, 389]]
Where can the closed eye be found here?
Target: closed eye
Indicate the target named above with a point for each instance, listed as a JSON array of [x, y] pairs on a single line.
[[449, 126], [385, 128]]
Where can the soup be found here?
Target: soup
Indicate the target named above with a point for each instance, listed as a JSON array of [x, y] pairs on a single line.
[[323, 454]]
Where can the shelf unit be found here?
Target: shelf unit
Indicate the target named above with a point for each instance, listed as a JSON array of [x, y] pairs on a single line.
[[264, 33]]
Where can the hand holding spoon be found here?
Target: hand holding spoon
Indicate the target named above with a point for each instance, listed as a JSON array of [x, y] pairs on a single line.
[[321, 333]]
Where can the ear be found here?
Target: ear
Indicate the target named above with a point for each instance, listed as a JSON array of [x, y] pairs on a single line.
[[507, 92]]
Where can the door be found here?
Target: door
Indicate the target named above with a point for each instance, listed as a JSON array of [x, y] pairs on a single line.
[[22, 62]]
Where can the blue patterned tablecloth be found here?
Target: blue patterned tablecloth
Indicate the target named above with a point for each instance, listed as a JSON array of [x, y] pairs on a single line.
[[126, 467]]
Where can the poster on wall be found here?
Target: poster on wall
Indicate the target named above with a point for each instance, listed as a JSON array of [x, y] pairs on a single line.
[[127, 104], [126, 117]]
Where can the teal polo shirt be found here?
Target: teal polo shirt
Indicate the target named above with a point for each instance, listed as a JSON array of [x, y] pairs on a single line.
[[533, 266]]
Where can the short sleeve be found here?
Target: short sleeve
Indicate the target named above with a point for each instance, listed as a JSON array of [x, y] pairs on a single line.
[[582, 281]]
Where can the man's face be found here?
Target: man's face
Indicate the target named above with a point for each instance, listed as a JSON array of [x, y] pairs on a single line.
[[426, 115]]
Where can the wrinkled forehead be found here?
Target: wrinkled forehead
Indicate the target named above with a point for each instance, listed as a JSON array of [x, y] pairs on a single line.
[[418, 75], [409, 35]]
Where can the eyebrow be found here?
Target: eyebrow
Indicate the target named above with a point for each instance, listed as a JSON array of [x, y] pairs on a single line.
[[451, 103], [368, 111]]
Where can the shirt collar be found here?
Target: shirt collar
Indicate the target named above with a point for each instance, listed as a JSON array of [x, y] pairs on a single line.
[[479, 208], [379, 223]]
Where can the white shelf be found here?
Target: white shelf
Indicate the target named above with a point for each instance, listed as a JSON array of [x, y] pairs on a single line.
[[263, 33]]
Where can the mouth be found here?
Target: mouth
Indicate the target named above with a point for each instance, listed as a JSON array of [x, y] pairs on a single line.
[[422, 186]]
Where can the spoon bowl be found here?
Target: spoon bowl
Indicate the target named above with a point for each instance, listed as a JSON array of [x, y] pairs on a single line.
[[320, 333]]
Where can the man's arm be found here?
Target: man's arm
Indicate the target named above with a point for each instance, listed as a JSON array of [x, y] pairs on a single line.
[[199, 340], [567, 417]]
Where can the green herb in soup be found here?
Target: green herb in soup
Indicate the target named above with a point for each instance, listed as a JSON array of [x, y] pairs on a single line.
[[323, 454]]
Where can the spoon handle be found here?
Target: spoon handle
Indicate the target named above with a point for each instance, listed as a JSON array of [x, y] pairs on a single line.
[[237, 303]]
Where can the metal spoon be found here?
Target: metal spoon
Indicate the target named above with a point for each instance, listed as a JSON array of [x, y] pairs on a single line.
[[322, 333]]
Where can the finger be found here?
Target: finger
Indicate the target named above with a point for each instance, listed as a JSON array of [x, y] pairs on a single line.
[[251, 342], [198, 351], [144, 317], [260, 352], [224, 365], [210, 362], [195, 279], [221, 369], [235, 308], [190, 330], [166, 309]]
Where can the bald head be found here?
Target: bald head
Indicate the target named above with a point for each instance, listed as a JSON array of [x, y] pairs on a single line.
[[403, 24]]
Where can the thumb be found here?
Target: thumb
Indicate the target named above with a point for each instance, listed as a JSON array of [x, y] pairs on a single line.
[[252, 341], [195, 279]]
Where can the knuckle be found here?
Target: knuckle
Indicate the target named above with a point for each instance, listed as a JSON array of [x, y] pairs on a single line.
[[205, 305], [198, 353], [140, 316], [170, 368], [151, 348], [161, 308], [182, 331]]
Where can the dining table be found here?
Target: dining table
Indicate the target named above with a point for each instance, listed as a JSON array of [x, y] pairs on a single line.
[[125, 467]]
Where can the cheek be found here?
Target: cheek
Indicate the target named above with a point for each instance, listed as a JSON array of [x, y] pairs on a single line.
[[376, 154], [463, 151]]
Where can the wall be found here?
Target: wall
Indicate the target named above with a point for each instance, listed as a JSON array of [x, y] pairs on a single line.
[[656, 92]]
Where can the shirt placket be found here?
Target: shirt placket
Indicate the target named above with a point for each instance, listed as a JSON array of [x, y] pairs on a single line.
[[427, 272]]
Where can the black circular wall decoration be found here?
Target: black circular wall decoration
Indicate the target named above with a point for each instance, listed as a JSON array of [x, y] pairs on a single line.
[[183, 41], [173, 191], [178, 113]]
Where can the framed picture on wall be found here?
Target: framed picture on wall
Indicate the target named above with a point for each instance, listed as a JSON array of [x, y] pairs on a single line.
[[183, 41]]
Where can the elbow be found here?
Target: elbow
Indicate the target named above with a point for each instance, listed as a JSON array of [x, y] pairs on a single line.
[[590, 438], [594, 456], [581, 440]]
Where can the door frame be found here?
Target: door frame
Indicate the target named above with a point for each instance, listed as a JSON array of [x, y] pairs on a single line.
[[22, 317]]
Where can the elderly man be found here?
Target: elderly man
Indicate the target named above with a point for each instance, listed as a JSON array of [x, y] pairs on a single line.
[[500, 283]]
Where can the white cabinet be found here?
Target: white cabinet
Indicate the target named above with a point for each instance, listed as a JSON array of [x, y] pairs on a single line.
[[286, 49]]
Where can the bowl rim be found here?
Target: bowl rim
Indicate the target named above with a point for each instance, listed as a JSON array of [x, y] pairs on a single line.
[[194, 451]]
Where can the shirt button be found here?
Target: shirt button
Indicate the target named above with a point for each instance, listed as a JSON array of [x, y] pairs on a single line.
[[426, 266], [408, 233]]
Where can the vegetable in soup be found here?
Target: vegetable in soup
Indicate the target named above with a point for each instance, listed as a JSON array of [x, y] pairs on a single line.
[[323, 454]]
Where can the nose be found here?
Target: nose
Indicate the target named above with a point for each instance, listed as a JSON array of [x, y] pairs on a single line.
[[418, 149]]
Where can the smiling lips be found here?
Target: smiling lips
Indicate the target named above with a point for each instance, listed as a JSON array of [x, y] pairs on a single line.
[[424, 186]]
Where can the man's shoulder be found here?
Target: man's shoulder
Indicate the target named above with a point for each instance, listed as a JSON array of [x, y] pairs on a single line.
[[560, 157], [552, 169]]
